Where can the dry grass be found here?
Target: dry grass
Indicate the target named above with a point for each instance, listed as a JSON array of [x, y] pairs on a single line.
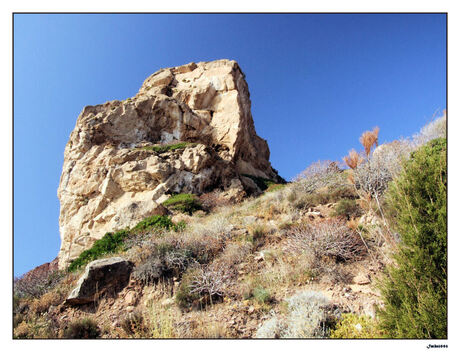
[[42, 304]]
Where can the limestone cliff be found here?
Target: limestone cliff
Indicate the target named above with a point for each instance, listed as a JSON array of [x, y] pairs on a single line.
[[113, 176]]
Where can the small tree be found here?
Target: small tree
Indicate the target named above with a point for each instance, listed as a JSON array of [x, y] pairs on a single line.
[[415, 289]]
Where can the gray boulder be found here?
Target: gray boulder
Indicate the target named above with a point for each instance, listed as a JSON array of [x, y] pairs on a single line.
[[103, 276]]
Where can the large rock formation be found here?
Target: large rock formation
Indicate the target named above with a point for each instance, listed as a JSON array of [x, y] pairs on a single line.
[[113, 176]]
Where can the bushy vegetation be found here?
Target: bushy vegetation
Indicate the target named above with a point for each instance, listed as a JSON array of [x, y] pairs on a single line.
[[36, 284], [113, 242], [347, 208], [415, 289], [184, 295], [261, 294], [352, 326], [308, 316], [110, 243], [82, 329], [264, 183], [183, 202], [154, 222], [319, 175], [168, 147], [330, 238], [134, 323], [164, 261]]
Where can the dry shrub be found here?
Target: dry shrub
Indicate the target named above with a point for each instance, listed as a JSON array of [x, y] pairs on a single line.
[[318, 175], [42, 304], [353, 159], [369, 139], [210, 330], [37, 327], [372, 177], [329, 238], [82, 329], [309, 315], [22, 331], [134, 324], [233, 254], [199, 326], [209, 281], [171, 256], [38, 281], [213, 200], [437, 128]]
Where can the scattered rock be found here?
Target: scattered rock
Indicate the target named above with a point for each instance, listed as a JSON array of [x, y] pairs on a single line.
[[131, 298], [361, 279], [101, 276], [167, 302], [259, 257]]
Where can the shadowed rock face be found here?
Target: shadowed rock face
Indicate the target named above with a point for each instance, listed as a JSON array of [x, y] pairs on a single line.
[[110, 180], [102, 276]]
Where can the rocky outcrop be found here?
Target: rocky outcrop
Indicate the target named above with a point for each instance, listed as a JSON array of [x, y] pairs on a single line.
[[102, 276], [114, 174]]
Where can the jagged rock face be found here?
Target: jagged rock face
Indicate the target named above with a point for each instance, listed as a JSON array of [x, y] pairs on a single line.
[[110, 180]]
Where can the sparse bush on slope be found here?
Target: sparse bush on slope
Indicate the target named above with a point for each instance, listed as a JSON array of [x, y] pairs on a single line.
[[433, 130], [318, 175], [352, 326], [183, 202], [160, 149], [36, 284], [308, 316], [330, 238], [415, 289], [113, 242], [82, 329]]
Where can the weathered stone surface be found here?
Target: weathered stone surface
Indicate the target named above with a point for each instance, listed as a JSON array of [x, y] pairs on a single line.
[[110, 182], [100, 277]]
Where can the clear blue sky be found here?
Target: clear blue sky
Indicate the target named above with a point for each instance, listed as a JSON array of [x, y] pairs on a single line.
[[316, 82]]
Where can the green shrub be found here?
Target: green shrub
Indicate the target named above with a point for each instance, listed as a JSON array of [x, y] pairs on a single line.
[[183, 202], [113, 242], [169, 147], [261, 294], [82, 329], [184, 297], [347, 208], [415, 289], [275, 187], [261, 182], [110, 243], [154, 222], [352, 326]]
